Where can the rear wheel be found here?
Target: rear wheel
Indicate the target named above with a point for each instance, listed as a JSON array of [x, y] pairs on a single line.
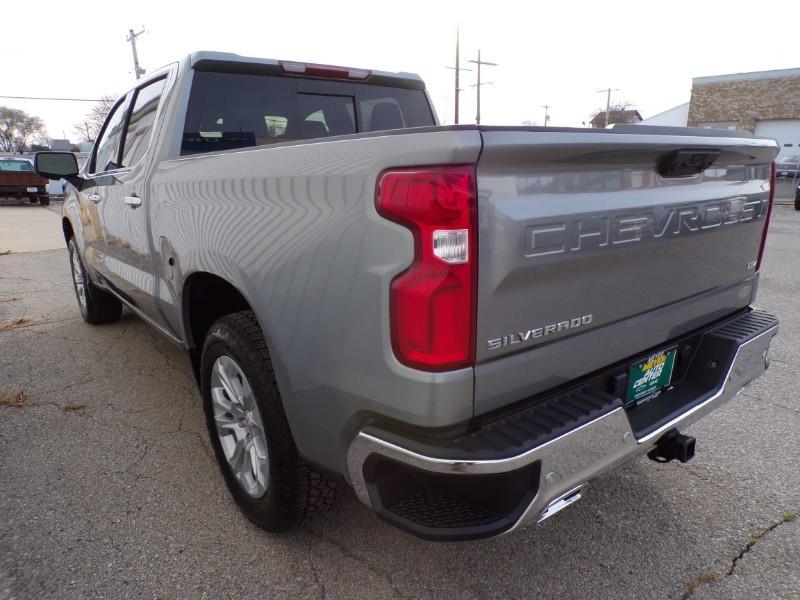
[[97, 306], [44, 201], [272, 485]]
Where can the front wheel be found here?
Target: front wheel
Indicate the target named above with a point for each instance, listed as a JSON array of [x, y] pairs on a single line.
[[272, 485], [97, 306]]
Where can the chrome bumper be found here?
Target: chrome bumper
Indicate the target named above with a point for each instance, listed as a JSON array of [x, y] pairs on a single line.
[[568, 462]]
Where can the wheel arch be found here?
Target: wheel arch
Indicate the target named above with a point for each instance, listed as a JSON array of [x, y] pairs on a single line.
[[206, 297], [66, 227], [198, 316]]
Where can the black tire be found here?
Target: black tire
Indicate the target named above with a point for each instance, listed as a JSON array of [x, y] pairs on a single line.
[[295, 492], [44, 201], [797, 203], [99, 306]]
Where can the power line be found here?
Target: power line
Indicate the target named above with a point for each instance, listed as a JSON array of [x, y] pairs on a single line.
[[478, 85], [137, 70], [608, 100], [546, 108], [48, 98], [458, 70]]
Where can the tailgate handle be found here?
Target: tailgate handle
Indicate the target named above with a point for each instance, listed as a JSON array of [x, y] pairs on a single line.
[[685, 163]]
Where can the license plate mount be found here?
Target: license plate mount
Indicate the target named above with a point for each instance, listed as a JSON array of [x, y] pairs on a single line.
[[649, 376]]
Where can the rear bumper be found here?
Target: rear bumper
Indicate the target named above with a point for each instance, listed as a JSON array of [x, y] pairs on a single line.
[[528, 465], [22, 190]]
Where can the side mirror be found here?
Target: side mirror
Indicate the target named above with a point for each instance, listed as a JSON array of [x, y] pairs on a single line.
[[55, 165]]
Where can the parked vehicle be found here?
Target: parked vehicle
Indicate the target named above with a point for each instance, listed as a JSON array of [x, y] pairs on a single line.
[[788, 166], [466, 324], [18, 180]]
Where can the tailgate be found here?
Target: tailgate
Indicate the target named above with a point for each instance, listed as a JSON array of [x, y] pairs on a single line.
[[21, 179], [594, 246]]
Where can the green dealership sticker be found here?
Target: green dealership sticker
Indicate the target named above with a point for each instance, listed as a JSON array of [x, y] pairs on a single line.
[[647, 377]]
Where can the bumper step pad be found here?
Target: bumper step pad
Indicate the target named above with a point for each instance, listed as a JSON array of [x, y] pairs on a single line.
[[520, 431]]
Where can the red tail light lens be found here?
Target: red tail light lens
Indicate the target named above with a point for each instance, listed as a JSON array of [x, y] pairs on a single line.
[[766, 221], [433, 302]]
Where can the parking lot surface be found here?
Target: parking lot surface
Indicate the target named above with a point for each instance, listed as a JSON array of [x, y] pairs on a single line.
[[28, 228], [109, 488]]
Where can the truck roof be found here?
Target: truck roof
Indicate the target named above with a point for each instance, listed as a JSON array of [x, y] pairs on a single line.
[[205, 57]]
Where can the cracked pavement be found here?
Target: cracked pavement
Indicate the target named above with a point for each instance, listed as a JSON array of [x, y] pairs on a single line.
[[109, 487]]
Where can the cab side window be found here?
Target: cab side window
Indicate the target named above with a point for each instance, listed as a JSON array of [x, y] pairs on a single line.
[[106, 155], [140, 126]]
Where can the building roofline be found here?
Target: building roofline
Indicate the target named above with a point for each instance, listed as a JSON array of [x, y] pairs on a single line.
[[663, 112], [753, 75]]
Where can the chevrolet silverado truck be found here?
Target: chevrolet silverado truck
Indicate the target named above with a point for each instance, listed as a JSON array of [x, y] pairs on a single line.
[[466, 324], [19, 181]]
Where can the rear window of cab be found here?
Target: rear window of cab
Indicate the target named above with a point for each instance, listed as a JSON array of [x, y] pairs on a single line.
[[239, 110], [15, 165]]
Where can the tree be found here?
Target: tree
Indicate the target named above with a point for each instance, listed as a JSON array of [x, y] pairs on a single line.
[[16, 128], [614, 109], [89, 128]]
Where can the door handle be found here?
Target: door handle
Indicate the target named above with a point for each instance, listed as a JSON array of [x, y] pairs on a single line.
[[94, 198], [133, 201]]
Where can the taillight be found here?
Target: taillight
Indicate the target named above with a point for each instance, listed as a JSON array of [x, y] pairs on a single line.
[[766, 221], [432, 303]]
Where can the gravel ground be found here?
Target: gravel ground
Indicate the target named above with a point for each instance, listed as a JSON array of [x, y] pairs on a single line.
[[108, 486]]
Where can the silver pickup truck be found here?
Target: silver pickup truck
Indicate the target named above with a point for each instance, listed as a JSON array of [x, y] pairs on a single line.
[[466, 324]]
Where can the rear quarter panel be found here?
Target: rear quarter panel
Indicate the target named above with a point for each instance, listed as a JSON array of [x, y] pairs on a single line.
[[294, 228]]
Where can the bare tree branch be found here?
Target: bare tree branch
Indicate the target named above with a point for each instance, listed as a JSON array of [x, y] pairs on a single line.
[[615, 107], [89, 128]]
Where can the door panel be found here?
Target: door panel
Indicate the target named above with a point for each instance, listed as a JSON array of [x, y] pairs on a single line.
[[97, 181], [129, 260]]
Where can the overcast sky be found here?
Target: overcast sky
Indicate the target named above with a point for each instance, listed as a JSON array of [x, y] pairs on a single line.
[[558, 53]]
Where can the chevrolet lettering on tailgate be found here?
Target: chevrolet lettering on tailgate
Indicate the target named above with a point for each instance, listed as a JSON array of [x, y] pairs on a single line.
[[602, 231]]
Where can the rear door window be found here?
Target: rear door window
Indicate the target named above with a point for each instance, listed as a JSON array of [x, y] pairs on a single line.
[[239, 110], [140, 125]]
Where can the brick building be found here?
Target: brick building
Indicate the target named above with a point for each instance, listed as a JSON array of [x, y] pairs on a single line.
[[766, 103]]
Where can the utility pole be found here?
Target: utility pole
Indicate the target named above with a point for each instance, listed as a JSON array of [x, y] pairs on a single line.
[[478, 85], [458, 70], [546, 107], [608, 99], [137, 70]]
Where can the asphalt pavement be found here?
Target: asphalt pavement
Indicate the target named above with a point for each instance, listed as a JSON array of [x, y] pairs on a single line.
[[109, 488]]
